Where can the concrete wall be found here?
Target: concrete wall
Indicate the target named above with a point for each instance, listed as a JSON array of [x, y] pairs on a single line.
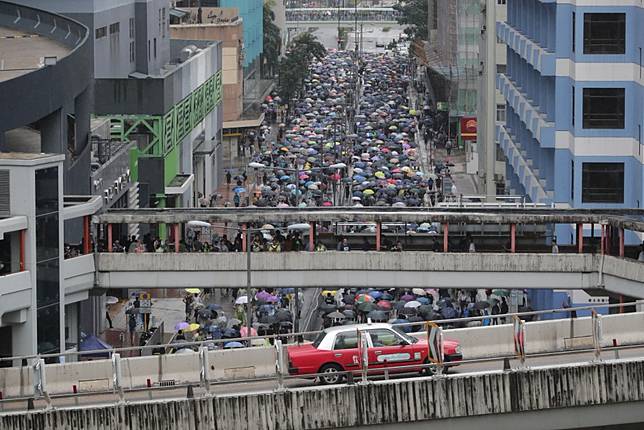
[[384, 402], [379, 270], [239, 364], [92, 376], [547, 336]]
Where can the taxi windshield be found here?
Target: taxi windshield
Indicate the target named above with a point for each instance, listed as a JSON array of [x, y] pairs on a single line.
[[408, 338], [318, 339]]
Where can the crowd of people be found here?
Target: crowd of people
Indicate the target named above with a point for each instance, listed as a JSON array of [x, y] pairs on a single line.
[[396, 306], [334, 151], [345, 14], [272, 313]]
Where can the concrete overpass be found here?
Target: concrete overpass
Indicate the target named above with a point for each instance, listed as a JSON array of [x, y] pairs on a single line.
[[408, 269], [574, 396], [557, 384]]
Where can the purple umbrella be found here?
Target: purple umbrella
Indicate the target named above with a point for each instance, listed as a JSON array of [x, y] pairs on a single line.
[[181, 326], [408, 298]]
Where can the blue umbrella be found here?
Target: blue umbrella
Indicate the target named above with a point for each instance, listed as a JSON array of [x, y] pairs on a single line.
[[423, 300], [233, 345], [375, 294], [285, 178], [238, 190], [213, 307], [406, 329]]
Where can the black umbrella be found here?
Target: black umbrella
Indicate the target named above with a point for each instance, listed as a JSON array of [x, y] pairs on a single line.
[[284, 315], [377, 316], [407, 311], [336, 315], [482, 305], [327, 308], [349, 314]]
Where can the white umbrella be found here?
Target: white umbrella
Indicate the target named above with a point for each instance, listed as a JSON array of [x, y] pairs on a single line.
[[241, 300], [412, 304], [419, 292], [300, 226], [111, 300], [267, 227], [198, 224]]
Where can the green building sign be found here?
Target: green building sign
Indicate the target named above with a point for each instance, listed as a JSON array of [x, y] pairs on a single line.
[[166, 132]]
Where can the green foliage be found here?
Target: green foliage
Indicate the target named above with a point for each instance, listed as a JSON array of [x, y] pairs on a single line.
[[414, 15], [272, 42], [294, 66]]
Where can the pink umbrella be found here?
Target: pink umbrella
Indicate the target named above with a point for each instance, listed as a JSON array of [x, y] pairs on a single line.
[[243, 332], [384, 305]]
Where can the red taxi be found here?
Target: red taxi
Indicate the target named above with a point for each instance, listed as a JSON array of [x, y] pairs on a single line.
[[336, 349]]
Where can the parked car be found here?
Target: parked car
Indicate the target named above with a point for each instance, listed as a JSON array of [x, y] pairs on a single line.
[[336, 350]]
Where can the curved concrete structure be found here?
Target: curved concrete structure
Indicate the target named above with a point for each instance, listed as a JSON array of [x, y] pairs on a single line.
[[45, 108]]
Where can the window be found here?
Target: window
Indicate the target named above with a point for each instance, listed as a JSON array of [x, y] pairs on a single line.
[[348, 340], [132, 28], [132, 52], [500, 1], [604, 108], [163, 23], [572, 110], [149, 51], [501, 68], [602, 183], [500, 113], [572, 180], [155, 47], [101, 32], [604, 33], [115, 28], [574, 24], [47, 255], [384, 337]]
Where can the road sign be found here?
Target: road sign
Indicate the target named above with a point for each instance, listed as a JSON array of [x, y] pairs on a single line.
[[519, 338], [435, 343]]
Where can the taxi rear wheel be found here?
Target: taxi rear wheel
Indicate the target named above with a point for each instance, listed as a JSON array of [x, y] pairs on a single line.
[[331, 373]]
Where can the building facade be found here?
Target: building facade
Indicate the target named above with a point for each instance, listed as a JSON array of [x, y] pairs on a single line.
[[575, 103], [45, 89], [226, 26], [164, 95]]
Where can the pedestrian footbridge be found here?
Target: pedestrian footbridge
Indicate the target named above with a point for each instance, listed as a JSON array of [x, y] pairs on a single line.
[[407, 269]]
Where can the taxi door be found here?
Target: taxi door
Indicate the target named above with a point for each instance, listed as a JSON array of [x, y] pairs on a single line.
[[389, 349], [346, 351]]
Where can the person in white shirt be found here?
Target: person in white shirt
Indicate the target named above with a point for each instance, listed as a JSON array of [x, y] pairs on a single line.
[[555, 248]]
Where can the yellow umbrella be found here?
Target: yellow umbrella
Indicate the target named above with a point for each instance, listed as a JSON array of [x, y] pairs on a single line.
[[192, 290], [192, 327], [327, 292]]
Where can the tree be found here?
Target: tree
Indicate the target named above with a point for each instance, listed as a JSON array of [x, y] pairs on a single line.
[[309, 45], [294, 66], [414, 16], [272, 41]]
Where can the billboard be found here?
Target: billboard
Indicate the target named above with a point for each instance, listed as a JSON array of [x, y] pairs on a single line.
[[468, 128]]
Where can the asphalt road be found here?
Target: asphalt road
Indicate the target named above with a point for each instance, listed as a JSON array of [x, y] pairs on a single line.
[[240, 388]]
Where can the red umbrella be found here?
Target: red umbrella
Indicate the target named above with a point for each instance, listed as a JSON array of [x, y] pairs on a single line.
[[364, 298], [385, 305]]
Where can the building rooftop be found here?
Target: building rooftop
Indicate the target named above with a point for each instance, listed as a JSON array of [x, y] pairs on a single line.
[[22, 52]]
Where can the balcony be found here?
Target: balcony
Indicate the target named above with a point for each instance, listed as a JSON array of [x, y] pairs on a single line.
[[78, 275], [522, 167], [543, 61], [534, 120], [15, 297]]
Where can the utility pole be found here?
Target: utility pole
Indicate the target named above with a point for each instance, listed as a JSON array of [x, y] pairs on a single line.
[[489, 110]]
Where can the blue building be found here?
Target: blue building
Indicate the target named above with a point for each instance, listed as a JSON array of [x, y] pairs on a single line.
[[252, 13], [575, 103]]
